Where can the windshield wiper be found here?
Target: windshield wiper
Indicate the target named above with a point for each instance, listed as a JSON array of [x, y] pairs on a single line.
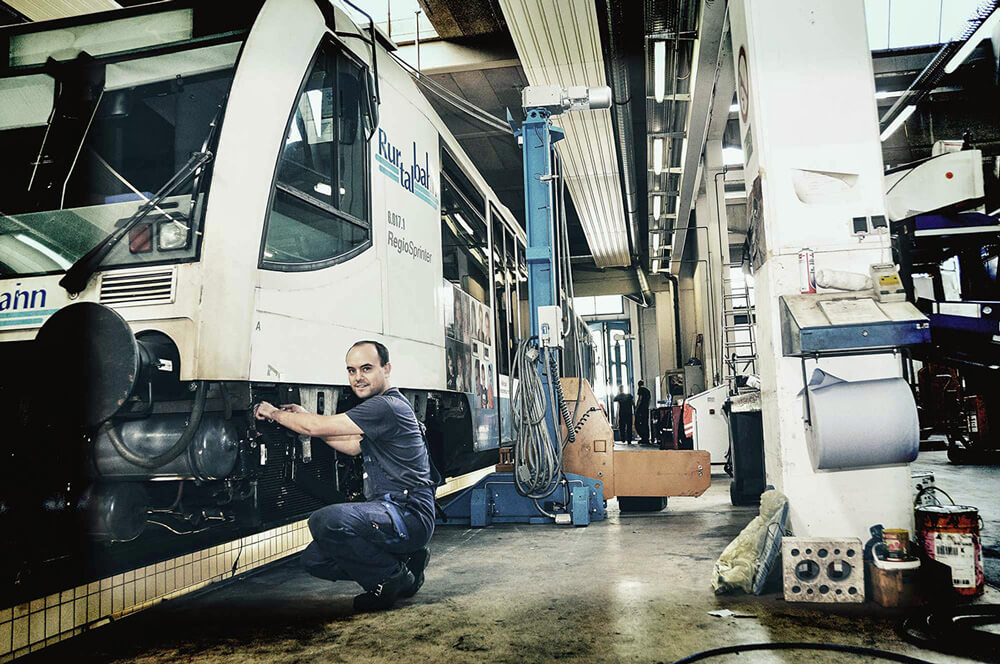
[[77, 276]]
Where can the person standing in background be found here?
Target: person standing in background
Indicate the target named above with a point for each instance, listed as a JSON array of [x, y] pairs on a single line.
[[642, 397], [624, 404]]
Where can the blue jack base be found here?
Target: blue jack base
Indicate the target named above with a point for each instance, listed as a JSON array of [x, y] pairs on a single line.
[[494, 499]]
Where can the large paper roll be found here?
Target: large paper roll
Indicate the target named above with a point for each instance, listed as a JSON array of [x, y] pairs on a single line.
[[860, 423]]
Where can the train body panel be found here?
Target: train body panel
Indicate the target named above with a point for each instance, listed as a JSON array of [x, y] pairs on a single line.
[[310, 227], [277, 54]]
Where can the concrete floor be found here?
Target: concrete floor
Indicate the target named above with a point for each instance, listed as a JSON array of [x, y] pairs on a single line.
[[632, 588]]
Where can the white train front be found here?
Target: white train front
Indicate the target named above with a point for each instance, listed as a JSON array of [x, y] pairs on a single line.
[[203, 208]]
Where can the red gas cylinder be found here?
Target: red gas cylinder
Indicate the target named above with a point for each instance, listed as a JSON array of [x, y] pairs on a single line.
[[950, 534]]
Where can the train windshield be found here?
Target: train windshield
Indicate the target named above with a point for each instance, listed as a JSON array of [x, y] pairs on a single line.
[[95, 120]]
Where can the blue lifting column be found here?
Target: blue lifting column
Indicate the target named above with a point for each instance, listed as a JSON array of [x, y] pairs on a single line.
[[537, 137], [496, 498]]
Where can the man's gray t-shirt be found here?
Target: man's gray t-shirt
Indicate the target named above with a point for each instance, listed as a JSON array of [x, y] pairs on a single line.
[[393, 448]]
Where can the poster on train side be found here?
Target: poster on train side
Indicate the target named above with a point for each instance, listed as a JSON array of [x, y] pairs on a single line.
[[470, 366]]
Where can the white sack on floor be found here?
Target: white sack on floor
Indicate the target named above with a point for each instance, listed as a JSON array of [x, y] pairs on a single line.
[[745, 563]]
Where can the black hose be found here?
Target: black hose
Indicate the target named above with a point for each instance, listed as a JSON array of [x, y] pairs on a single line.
[[791, 645], [674, 286], [955, 630], [175, 451]]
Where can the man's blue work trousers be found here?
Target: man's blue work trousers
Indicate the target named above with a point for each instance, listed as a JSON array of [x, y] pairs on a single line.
[[366, 542]]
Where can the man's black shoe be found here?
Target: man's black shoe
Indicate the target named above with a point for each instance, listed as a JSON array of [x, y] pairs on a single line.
[[384, 595], [416, 564]]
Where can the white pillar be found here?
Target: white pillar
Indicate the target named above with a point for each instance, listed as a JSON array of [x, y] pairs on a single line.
[[666, 332], [649, 347], [810, 134]]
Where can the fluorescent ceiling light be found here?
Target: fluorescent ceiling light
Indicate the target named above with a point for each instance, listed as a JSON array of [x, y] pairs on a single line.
[[657, 155], [463, 224], [659, 70], [898, 122], [656, 265], [657, 203], [981, 33], [732, 156], [887, 94], [734, 108], [656, 243], [736, 194], [324, 188]]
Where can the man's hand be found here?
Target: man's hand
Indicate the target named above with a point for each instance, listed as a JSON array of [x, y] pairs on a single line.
[[264, 411], [293, 408]]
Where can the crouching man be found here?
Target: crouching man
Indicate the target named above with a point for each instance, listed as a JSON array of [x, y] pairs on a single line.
[[380, 543]]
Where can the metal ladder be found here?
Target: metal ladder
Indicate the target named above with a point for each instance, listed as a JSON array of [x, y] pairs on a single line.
[[739, 342]]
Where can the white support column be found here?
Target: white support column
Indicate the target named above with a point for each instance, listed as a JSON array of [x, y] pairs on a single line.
[[666, 332], [810, 134], [649, 346]]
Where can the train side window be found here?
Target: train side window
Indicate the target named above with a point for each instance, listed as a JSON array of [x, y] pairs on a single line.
[[319, 211], [464, 246]]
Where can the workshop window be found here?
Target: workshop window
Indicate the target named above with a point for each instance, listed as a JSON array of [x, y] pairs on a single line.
[[319, 210]]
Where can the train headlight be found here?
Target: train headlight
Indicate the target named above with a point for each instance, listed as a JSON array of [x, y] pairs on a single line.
[[172, 235]]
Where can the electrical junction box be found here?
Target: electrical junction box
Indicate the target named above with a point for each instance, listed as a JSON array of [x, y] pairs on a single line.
[[556, 99], [550, 326], [885, 280], [548, 97]]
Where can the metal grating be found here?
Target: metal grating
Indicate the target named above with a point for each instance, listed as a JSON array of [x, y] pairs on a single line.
[[156, 286]]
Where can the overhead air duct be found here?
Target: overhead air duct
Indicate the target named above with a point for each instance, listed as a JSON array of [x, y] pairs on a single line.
[[588, 151]]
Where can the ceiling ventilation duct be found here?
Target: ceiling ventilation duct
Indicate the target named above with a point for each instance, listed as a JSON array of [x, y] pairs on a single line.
[[560, 44]]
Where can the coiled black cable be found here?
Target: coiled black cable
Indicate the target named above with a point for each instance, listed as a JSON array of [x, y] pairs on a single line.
[[955, 630], [583, 418], [563, 408]]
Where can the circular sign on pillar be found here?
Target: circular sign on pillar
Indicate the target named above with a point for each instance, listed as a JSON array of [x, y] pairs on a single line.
[[743, 85]]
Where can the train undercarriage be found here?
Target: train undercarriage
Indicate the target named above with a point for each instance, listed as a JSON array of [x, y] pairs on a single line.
[[113, 462]]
